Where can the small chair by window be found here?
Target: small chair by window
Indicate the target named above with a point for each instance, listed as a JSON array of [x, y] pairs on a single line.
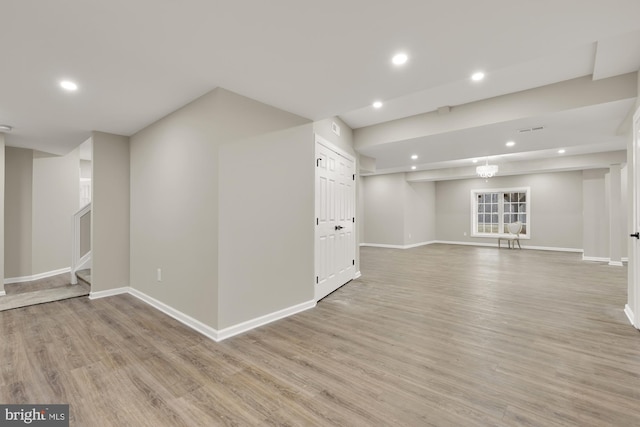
[[514, 230]]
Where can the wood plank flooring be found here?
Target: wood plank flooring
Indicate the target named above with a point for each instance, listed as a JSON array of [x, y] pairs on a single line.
[[433, 336]]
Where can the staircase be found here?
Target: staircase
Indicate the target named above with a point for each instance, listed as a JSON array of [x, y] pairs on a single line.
[[84, 276], [81, 246]]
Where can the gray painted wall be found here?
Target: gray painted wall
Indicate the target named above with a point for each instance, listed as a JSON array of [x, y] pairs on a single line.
[[397, 212], [556, 208], [110, 212], [56, 197], [18, 199], [596, 213], [384, 209], [420, 212], [174, 197], [266, 236]]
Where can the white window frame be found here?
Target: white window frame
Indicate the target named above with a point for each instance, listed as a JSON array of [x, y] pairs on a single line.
[[474, 211]]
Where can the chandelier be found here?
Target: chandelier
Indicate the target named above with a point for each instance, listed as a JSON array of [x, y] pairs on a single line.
[[487, 170]]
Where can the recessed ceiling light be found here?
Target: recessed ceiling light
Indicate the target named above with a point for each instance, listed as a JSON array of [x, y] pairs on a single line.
[[68, 85], [510, 144], [5, 128], [413, 168], [400, 58], [475, 160], [561, 151], [414, 157], [377, 104], [477, 76]]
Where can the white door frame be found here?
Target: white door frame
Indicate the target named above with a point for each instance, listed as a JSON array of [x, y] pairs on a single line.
[[632, 309], [328, 145]]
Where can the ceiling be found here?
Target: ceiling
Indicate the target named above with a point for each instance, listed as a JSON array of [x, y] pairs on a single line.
[[137, 61]]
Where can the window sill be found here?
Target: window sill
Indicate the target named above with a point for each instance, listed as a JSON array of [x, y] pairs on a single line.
[[499, 236]]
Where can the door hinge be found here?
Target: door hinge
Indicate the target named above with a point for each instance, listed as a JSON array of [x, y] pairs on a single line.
[[317, 221], [316, 279], [353, 262], [354, 219], [354, 176]]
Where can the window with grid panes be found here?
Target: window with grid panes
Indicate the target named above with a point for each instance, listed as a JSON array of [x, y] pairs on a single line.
[[494, 210]]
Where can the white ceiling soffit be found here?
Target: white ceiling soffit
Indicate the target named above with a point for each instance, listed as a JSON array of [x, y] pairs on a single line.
[[617, 55], [582, 130], [563, 65]]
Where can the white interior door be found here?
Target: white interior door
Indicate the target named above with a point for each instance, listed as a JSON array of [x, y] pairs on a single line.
[[633, 301], [335, 218]]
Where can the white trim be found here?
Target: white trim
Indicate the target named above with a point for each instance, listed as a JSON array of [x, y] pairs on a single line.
[[495, 245], [198, 326], [109, 293], [36, 276], [595, 259], [474, 211], [189, 321], [625, 259], [2, 293], [414, 245], [629, 313], [357, 275], [603, 259], [263, 320]]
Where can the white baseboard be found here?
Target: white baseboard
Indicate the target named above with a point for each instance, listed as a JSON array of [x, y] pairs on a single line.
[[595, 259], [2, 293], [36, 276], [413, 245], [603, 259], [189, 321], [109, 293], [625, 259], [357, 275], [495, 245], [629, 313], [263, 320], [208, 331]]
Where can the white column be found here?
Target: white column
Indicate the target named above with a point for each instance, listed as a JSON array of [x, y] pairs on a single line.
[[2, 213], [615, 216]]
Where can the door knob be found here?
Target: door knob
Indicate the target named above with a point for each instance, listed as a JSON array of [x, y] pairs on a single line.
[[339, 227], [636, 235]]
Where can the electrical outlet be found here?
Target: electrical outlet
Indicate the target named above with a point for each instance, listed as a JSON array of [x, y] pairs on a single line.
[[159, 275]]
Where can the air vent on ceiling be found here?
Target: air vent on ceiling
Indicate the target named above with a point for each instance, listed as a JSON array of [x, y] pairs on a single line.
[[533, 129]]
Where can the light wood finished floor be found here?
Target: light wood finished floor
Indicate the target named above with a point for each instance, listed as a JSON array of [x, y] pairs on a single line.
[[433, 336], [40, 291]]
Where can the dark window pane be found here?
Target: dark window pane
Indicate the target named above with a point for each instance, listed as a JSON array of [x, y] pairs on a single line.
[[480, 208], [522, 218], [494, 218], [480, 219], [507, 207], [506, 218], [524, 229], [494, 208], [494, 198], [487, 218]]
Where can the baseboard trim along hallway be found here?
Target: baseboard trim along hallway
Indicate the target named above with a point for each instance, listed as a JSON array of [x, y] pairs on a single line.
[[209, 332], [39, 276]]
